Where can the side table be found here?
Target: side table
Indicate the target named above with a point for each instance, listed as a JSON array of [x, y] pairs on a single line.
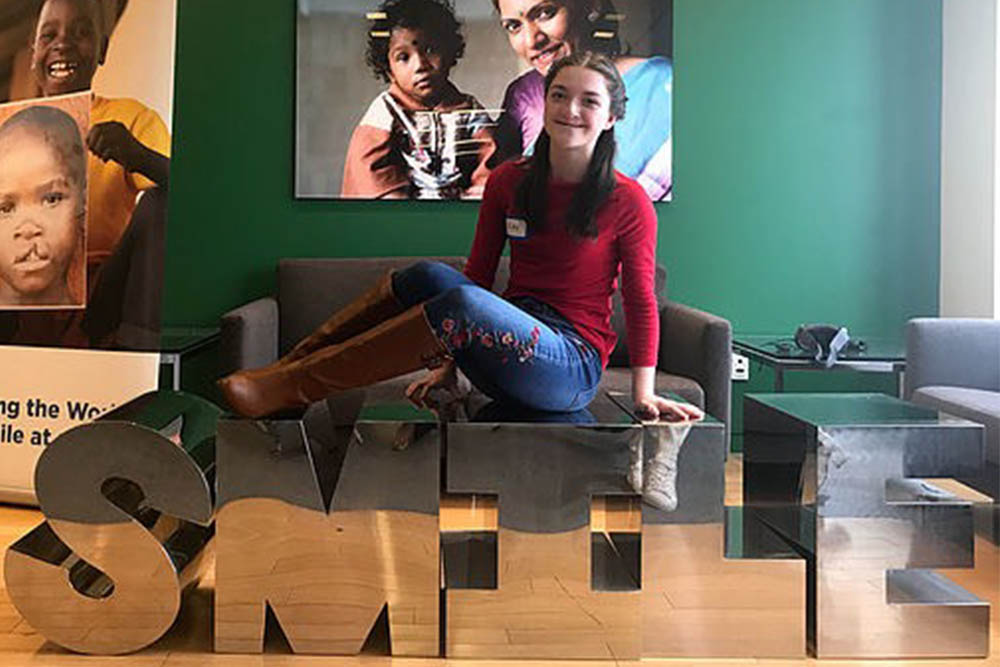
[[841, 479], [178, 342], [780, 353]]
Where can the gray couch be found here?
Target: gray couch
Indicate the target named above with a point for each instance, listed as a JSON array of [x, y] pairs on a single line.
[[694, 349], [953, 365]]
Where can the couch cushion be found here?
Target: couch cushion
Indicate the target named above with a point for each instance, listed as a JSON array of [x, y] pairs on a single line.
[[954, 352], [975, 405], [310, 290], [620, 379]]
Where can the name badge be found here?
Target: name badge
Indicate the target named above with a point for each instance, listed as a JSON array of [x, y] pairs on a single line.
[[517, 228]]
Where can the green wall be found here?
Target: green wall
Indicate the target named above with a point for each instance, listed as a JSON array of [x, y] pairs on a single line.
[[806, 164]]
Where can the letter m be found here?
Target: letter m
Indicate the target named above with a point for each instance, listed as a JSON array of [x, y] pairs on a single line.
[[327, 525]]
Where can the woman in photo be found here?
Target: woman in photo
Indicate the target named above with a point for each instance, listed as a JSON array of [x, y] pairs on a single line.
[[542, 31]]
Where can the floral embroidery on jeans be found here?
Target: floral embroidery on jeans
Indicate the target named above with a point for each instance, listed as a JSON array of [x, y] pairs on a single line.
[[457, 335]]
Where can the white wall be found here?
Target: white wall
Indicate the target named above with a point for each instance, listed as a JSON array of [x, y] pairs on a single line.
[[996, 171], [970, 182], [140, 62]]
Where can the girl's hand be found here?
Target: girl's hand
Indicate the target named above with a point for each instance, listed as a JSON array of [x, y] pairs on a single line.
[[658, 407], [445, 377]]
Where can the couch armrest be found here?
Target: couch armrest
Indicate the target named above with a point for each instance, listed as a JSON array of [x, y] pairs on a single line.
[[698, 345], [958, 352], [249, 335]]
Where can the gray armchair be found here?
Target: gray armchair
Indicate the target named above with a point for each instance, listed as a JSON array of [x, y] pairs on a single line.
[[694, 353], [953, 365]]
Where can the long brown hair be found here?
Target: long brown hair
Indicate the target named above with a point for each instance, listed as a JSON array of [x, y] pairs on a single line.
[[599, 181]]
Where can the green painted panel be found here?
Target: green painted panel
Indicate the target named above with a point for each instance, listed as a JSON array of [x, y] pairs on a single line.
[[806, 164]]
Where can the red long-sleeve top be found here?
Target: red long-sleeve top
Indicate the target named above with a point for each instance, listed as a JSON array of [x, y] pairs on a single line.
[[576, 276]]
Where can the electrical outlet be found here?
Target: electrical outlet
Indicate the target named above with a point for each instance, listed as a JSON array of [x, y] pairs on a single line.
[[741, 367]]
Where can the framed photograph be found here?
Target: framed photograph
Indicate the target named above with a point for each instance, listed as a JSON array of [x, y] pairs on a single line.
[[420, 99]]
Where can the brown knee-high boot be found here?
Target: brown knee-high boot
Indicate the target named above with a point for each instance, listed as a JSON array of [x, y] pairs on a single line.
[[373, 307], [400, 345]]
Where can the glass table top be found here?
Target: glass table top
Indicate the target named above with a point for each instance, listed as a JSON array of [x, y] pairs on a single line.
[[607, 409], [855, 410], [602, 411], [624, 402], [184, 339], [399, 411], [783, 347]]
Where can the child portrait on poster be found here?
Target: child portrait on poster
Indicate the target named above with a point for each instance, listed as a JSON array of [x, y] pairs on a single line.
[[421, 138], [43, 208]]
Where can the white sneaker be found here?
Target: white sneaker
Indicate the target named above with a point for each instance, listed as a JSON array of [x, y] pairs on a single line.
[[659, 474], [659, 484]]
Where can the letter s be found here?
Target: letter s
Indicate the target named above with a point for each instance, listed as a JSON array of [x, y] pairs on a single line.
[[105, 572]]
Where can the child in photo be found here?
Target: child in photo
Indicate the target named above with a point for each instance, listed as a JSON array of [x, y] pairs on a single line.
[[43, 178], [128, 142], [422, 137]]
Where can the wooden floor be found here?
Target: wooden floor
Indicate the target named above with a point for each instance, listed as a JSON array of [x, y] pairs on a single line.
[[189, 642]]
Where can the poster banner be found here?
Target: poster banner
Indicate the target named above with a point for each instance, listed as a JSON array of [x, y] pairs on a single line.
[[80, 320], [117, 57], [421, 99], [46, 391]]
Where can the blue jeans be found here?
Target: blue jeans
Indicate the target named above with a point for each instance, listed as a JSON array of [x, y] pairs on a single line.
[[519, 351]]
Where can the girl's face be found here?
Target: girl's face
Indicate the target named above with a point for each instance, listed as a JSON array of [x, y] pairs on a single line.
[[417, 66], [41, 211], [67, 46], [538, 30], [577, 108]]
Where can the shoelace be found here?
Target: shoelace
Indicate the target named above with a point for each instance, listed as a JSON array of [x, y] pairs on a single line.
[[660, 473]]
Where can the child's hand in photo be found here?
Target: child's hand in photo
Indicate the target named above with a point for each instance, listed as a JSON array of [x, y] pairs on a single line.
[[112, 141]]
